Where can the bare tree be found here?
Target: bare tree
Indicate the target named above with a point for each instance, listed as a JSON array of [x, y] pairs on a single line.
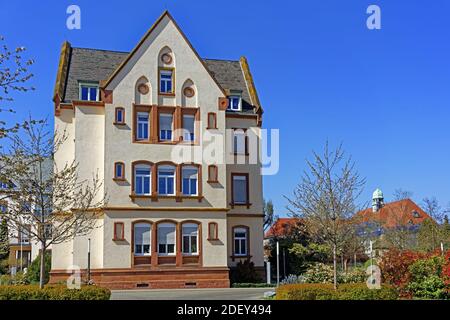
[[53, 207], [400, 194], [326, 198], [14, 74]]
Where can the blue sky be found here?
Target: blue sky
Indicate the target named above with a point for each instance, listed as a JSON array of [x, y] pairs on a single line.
[[320, 73]]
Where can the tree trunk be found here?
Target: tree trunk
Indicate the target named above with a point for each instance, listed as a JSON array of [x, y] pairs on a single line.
[[42, 266], [334, 267]]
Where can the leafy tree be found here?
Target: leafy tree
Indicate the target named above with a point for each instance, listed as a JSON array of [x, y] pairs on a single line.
[[34, 270], [326, 198], [269, 215], [4, 246]]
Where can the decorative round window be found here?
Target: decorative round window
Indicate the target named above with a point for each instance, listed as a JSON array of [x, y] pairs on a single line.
[[166, 58], [143, 88], [189, 92]]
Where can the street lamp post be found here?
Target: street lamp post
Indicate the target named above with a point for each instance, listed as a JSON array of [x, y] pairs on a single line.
[[89, 262], [278, 263]]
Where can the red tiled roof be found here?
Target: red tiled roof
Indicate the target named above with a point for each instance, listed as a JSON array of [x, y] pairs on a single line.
[[395, 214], [281, 227]]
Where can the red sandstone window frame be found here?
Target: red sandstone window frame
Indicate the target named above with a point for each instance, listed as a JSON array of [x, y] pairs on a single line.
[[116, 120], [213, 174], [116, 176], [247, 203], [213, 231], [119, 226]]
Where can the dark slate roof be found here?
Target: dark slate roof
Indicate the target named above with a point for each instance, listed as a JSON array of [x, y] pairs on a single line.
[[89, 65], [92, 65]]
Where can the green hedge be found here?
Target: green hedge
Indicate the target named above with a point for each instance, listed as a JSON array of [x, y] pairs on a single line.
[[54, 292], [319, 291], [252, 285]]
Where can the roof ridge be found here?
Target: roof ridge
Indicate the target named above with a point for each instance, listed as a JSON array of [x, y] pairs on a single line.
[[104, 50]]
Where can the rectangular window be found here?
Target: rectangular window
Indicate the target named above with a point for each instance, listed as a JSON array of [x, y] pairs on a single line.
[[212, 173], [166, 239], [120, 116], [142, 126], [239, 141], [240, 241], [89, 92], [166, 81], [190, 180], [119, 171], [212, 121], [240, 189], [142, 236], [24, 235], [119, 231], [166, 180], [234, 103], [189, 127], [213, 231], [142, 180], [190, 238], [165, 127]]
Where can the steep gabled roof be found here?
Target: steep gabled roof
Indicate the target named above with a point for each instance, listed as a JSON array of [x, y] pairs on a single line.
[[399, 213], [84, 64]]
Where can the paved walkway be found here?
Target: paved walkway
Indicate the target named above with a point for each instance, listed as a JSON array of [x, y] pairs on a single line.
[[191, 294]]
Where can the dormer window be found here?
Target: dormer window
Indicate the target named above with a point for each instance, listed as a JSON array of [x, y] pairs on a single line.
[[416, 214], [89, 92], [234, 103]]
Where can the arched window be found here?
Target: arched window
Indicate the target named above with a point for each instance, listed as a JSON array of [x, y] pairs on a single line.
[[142, 179], [166, 180], [142, 239], [190, 238], [166, 239]]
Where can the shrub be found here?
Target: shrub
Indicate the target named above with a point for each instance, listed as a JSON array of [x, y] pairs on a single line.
[[252, 285], [426, 279], [34, 272], [306, 291], [316, 291], [245, 273], [360, 291], [319, 273], [293, 279], [32, 292], [356, 275]]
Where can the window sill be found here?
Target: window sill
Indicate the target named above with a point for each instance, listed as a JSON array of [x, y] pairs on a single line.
[[114, 239], [234, 257], [157, 197], [119, 179], [119, 123], [248, 205], [212, 239], [168, 94], [212, 181]]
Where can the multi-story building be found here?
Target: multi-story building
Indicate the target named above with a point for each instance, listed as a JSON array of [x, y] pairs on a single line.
[[172, 220]]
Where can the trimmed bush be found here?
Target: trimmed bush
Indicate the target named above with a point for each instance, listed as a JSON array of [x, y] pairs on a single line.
[[245, 272], [306, 291], [319, 291], [319, 273], [252, 285], [54, 292]]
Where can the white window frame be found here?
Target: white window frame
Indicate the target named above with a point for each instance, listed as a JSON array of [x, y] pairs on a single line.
[[136, 168], [161, 80], [167, 225], [182, 181], [143, 254], [241, 178], [240, 239], [88, 85], [165, 115], [231, 98], [140, 122], [166, 177], [185, 131], [190, 235]]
